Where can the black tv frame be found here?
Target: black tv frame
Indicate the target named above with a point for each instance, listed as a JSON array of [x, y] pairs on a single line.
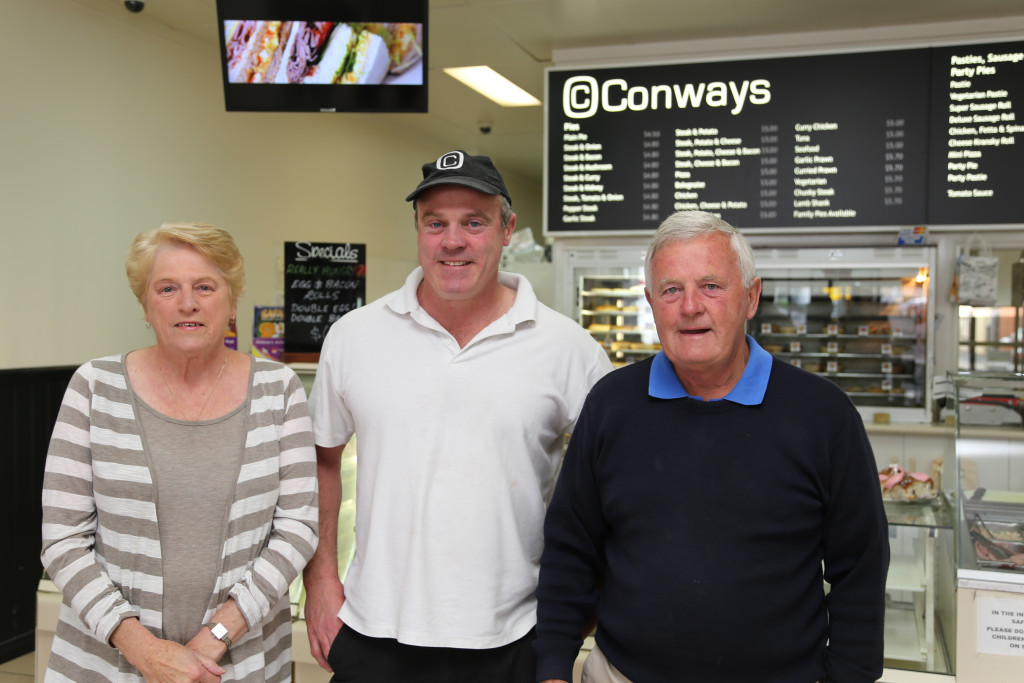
[[267, 97]]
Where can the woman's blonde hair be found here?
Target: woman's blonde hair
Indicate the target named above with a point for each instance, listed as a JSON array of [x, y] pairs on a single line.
[[212, 242]]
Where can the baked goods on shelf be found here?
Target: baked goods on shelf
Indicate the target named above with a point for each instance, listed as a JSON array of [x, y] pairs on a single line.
[[634, 346], [899, 484]]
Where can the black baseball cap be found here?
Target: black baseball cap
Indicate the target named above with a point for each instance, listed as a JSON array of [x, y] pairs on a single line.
[[459, 168]]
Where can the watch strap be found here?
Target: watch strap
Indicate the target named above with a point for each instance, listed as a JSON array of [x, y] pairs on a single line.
[[220, 632]]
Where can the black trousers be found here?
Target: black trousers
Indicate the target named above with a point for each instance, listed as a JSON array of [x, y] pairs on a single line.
[[356, 658]]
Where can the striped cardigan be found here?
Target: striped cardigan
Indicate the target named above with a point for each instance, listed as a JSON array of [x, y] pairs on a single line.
[[100, 537]]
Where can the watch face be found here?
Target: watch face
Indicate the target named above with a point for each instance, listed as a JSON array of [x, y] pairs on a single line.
[[219, 631]]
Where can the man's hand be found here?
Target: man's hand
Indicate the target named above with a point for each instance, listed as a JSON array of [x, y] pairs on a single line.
[[324, 592], [324, 598]]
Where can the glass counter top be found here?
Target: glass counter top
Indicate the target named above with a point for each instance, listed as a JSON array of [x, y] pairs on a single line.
[[934, 513]]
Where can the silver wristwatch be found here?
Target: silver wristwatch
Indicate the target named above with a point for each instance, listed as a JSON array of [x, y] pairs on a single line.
[[220, 632]]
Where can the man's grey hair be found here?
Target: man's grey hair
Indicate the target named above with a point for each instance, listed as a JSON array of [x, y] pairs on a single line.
[[684, 226], [506, 211]]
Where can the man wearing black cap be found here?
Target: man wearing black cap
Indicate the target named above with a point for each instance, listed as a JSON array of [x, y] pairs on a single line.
[[461, 387]]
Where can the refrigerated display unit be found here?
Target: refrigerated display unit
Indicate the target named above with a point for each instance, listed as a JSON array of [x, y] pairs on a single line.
[[860, 317], [990, 525], [602, 288]]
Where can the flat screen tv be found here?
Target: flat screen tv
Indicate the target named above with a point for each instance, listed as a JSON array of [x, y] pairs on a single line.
[[324, 55]]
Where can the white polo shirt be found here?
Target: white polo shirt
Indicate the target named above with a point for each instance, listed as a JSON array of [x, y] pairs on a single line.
[[458, 451]]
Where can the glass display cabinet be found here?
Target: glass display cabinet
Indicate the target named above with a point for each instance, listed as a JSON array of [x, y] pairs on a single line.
[[859, 317], [920, 614], [614, 309], [990, 525], [601, 286], [990, 452]]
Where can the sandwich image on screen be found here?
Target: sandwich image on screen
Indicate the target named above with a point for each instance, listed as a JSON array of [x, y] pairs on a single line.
[[323, 52]]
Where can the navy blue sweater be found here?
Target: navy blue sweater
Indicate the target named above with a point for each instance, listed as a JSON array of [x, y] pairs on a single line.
[[699, 530]]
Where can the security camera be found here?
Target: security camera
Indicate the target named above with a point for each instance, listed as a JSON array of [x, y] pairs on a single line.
[[134, 6], [485, 127]]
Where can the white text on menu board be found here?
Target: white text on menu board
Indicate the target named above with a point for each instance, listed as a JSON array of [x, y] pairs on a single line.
[[583, 189], [813, 170], [979, 119], [699, 153]]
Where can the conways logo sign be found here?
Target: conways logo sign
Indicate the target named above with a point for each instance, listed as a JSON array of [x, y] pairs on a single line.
[[584, 96]]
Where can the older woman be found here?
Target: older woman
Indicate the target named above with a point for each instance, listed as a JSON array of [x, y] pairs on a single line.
[[179, 499]]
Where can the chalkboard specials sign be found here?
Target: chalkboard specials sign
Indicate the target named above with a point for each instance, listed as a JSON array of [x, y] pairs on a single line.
[[898, 137], [322, 282]]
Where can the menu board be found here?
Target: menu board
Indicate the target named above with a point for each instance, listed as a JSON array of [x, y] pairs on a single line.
[[322, 282], [827, 141], [977, 147]]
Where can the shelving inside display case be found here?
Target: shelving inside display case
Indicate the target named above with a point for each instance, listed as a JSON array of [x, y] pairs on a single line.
[[858, 317], [614, 309], [919, 610], [601, 286]]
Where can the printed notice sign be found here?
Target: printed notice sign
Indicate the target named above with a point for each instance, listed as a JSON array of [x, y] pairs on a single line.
[[1001, 626]]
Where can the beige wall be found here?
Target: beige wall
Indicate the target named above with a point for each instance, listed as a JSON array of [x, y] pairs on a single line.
[[109, 129]]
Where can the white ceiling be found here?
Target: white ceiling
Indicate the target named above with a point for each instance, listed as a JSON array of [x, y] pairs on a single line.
[[519, 37]]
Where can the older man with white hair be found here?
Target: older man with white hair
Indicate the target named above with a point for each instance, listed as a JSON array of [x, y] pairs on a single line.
[[706, 494]]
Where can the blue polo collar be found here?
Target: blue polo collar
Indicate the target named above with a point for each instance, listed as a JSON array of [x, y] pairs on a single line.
[[749, 391]]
